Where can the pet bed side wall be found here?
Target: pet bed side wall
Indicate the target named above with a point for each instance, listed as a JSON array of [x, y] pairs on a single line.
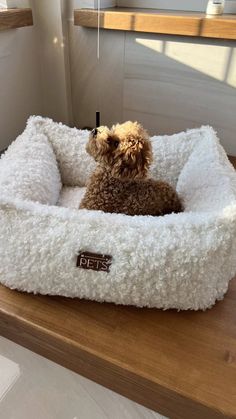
[[75, 165], [207, 181], [182, 261], [69, 144], [159, 263], [28, 170]]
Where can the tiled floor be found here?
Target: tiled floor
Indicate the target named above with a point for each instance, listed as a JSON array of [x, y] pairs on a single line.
[[41, 389]]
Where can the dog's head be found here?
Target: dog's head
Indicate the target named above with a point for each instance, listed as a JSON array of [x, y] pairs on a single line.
[[125, 149]]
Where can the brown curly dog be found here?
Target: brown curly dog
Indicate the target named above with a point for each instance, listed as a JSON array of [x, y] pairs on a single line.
[[120, 182]]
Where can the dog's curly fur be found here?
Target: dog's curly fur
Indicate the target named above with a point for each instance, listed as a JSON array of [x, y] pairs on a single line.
[[120, 182]]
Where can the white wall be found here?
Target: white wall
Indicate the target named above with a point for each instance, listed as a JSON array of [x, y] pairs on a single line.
[[20, 82], [34, 69], [191, 5], [174, 83], [93, 4], [50, 24], [168, 83], [165, 4], [15, 3], [96, 85]]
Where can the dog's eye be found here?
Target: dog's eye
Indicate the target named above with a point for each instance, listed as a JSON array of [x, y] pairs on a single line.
[[113, 143]]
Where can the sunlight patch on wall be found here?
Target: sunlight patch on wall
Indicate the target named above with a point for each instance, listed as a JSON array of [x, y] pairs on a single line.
[[216, 61], [231, 76], [154, 44], [211, 60]]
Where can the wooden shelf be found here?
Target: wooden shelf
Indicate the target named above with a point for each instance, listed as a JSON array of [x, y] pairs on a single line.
[[162, 22], [15, 18]]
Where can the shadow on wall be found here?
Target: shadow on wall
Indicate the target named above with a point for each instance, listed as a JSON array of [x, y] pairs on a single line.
[[169, 83]]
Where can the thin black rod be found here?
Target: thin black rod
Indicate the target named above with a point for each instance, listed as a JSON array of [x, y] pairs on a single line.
[[97, 119]]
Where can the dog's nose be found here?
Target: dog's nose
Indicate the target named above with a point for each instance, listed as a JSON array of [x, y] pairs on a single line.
[[94, 132]]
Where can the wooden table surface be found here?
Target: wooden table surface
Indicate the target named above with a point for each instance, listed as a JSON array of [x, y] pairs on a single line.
[[182, 364]]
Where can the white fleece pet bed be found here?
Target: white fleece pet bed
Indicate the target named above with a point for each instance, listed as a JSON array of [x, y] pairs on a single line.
[[182, 261]]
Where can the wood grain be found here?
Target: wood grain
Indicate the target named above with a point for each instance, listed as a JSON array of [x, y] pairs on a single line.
[[182, 365], [162, 22], [15, 18]]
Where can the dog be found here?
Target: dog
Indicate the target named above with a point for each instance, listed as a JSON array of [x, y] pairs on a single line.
[[120, 182]]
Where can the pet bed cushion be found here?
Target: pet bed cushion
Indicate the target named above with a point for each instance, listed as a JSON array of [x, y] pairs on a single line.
[[182, 261]]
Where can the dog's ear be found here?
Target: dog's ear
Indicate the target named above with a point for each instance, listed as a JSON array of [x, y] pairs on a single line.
[[137, 159], [136, 150]]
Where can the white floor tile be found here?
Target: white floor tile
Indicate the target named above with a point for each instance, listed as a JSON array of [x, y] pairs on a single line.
[[45, 390], [9, 373]]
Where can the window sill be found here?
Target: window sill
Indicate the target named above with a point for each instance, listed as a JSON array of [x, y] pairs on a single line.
[[15, 18], [159, 21]]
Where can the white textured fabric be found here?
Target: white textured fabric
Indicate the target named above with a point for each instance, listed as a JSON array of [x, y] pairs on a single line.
[[28, 170], [182, 261], [69, 147], [71, 196]]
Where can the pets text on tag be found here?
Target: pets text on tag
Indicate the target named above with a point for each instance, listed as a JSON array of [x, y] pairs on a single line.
[[94, 261]]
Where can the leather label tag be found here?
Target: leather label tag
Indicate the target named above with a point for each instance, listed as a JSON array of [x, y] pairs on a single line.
[[94, 261]]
